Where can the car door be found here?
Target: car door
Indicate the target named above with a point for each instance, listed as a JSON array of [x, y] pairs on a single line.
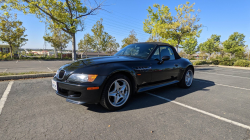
[[143, 68], [167, 70], [143, 72]]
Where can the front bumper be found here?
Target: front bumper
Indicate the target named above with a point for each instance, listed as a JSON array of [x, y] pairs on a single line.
[[78, 93]]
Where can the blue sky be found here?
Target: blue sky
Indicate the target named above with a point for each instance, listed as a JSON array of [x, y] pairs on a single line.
[[222, 17]]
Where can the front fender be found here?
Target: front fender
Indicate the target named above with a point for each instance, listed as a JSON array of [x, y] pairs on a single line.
[[108, 70], [123, 69]]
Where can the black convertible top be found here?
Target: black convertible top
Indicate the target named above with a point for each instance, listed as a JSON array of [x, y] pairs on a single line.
[[177, 56]]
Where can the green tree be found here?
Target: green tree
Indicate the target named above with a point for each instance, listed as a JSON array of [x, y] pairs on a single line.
[[67, 15], [247, 53], [234, 44], [170, 41], [99, 36], [12, 32], [154, 39], [211, 45], [112, 45], [21, 41], [86, 44], [58, 40], [189, 45], [182, 54], [98, 31], [130, 39], [173, 29], [221, 50]]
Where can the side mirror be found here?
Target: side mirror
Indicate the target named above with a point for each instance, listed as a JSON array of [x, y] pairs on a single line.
[[164, 58]]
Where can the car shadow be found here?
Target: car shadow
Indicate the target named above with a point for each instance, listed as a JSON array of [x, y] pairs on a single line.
[[144, 100], [203, 69]]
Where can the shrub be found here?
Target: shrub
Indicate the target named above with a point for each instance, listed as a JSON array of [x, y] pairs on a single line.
[[227, 63], [242, 63], [218, 57], [4, 56], [215, 61], [199, 63], [225, 58], [69, 55]]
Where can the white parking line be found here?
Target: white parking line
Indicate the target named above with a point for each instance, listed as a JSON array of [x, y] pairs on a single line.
[[5, 95], [50, 69], [223, 74], [204, 112], [222, 85], [5, 70], [16, 61], [39, 61]]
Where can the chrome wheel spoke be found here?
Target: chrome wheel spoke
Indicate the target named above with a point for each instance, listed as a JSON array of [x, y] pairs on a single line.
[[113, 91], [121, 96], [112, 94], [123, 87], [115, 99], [117, 86]]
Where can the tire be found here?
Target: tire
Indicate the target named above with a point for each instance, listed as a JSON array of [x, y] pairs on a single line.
[[116, 92], [186, 84]]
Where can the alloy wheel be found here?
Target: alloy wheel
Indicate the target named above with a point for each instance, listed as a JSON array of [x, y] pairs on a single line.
[[189, 78], [118, 92]]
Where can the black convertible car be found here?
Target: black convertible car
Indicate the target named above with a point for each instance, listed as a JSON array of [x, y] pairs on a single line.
[[112, 80]]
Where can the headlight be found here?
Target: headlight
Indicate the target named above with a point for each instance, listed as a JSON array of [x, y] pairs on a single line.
[[82, 78]]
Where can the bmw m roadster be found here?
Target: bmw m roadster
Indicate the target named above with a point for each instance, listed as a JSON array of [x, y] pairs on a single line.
[[112, 80]]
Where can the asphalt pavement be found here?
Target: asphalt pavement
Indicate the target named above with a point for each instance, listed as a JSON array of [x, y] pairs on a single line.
[[215, 107], [3, 86], [27, 66]]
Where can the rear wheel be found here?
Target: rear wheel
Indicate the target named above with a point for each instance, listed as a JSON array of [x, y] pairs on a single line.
[[187, 78], [116, 92]]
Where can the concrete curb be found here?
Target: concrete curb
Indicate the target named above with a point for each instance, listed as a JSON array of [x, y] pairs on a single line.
[[233, 67], [36, 60], [26, 76], [196, 66]]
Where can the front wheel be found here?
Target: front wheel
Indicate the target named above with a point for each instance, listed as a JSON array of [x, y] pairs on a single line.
[[116, 92], [187, 78]]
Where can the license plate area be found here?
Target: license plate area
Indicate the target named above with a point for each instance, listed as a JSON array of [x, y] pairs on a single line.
[[54, 85]]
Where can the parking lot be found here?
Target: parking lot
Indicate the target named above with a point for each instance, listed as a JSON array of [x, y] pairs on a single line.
[[27, 66], [215, 107]]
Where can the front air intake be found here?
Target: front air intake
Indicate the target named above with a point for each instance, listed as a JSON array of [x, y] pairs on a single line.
[[61, 74]]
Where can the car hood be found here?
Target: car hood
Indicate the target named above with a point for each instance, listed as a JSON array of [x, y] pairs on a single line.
[[98, 60]]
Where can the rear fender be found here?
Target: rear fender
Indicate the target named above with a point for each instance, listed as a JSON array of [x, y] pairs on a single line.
[[184, 64]]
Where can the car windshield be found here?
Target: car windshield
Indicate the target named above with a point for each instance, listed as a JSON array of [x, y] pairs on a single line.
[[136, 50]]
